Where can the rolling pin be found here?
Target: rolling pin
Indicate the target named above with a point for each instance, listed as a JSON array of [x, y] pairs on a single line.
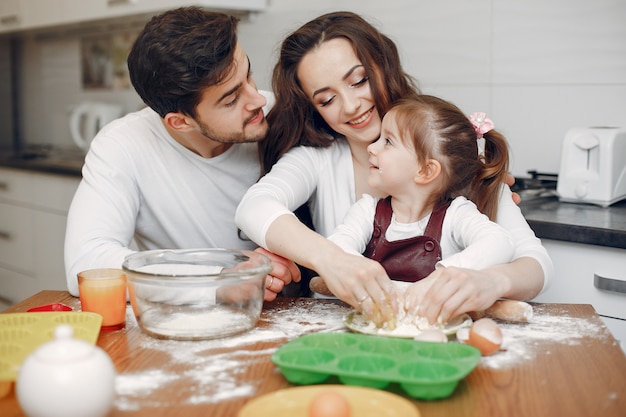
[[507, 310]]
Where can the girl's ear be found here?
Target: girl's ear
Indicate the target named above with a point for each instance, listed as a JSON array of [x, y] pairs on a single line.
[[178, 121], [429, 172]]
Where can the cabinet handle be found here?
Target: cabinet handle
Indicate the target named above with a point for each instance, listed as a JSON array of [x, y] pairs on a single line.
[[9, 19], [609, 284], [5, 235], [120, 2]]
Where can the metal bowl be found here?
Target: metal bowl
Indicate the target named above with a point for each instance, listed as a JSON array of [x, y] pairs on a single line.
[[196, 294]]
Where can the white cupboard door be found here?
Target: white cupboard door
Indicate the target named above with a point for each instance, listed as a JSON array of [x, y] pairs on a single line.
[[48, 250], [15, 186], [53, 193], [16, 238], [15, 286]]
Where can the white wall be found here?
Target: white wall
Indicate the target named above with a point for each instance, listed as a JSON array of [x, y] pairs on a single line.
[[537, 67]]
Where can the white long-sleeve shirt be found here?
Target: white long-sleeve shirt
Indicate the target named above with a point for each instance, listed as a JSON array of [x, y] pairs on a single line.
[[468, 238], [325, 178], [138, 182]]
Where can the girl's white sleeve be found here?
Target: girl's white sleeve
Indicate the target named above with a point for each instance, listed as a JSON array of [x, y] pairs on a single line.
[[289, 184], [478, 242], [355, 232]]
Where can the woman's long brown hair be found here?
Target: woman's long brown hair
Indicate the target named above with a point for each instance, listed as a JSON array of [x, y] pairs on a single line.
[[293, 120]]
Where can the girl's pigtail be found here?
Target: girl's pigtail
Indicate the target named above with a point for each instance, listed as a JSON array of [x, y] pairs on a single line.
[[485, 189]]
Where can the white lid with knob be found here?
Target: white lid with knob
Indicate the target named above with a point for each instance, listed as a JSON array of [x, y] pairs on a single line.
[[66, 377]]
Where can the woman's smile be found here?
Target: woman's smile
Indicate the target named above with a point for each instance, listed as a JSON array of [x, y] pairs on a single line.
[[361, 120]]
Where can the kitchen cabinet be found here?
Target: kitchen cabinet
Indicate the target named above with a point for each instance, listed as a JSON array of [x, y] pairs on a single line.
[[33, 213], [38, 13], [10, 15], [581, 273], [16, 15]]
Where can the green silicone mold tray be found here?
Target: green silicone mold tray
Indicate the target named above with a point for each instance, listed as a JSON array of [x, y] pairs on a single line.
[[424, 370], [22, 333]]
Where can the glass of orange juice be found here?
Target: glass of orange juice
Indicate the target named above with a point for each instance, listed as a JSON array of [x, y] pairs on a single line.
[[103, 291]]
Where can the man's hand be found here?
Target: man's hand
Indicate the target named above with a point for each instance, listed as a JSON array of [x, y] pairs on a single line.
[[510, 180], [283, 272]]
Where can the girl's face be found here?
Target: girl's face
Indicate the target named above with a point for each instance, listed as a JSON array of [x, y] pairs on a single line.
[[393, 163], [334, 79]]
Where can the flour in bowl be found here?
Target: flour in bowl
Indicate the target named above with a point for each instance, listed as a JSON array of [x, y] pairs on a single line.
[[180, 269]]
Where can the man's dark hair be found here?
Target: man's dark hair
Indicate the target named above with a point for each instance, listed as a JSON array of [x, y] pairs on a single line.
[[178, 54]]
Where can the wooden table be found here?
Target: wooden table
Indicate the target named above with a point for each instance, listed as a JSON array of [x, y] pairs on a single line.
[[564, 363]]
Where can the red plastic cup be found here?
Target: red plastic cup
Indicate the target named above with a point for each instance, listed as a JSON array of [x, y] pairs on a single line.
[[50, 307]]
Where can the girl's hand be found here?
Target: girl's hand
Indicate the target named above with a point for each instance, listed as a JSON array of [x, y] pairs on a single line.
[[362, 283], [283, 272], [450, 292]]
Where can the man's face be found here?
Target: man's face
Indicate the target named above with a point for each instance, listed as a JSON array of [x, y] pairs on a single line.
[[231, 112]]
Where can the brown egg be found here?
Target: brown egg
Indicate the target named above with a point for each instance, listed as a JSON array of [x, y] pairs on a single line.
[[329, 404], [486, 336]]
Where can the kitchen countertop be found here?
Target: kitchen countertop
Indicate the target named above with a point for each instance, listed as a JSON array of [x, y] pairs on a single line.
[[563, 362], [44, 158], [549, 218], [577, 223]]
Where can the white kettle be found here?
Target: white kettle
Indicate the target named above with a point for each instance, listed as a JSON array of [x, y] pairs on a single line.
[[88, 117]]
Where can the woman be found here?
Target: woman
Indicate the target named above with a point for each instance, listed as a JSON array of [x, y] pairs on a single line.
[[336, 77]]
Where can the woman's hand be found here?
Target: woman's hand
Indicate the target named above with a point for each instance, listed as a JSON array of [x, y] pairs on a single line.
[[283, 272], [450, 292], [362, 283]]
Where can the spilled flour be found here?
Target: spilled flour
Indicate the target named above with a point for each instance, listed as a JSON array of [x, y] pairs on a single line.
[[205, 372], [522, 341], [210, 373]]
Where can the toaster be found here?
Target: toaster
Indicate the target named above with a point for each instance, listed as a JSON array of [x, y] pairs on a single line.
[[593, 166]]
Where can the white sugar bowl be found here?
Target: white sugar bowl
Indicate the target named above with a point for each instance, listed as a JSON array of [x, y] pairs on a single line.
[[66, 377]]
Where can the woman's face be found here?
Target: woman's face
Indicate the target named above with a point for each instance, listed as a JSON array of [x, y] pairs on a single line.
[[335, 81]]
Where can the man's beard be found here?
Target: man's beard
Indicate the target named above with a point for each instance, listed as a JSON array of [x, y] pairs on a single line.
[[236, 137]]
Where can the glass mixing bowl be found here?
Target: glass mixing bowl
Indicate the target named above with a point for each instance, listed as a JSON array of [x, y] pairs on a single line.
[[196, 294]]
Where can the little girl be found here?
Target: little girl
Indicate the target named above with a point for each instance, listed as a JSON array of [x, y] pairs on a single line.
[[429, 155]]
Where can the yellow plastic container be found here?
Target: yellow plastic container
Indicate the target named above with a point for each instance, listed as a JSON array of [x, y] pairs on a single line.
[[22, 333]]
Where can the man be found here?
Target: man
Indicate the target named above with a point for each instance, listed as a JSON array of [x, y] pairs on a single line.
[[171, 175]]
